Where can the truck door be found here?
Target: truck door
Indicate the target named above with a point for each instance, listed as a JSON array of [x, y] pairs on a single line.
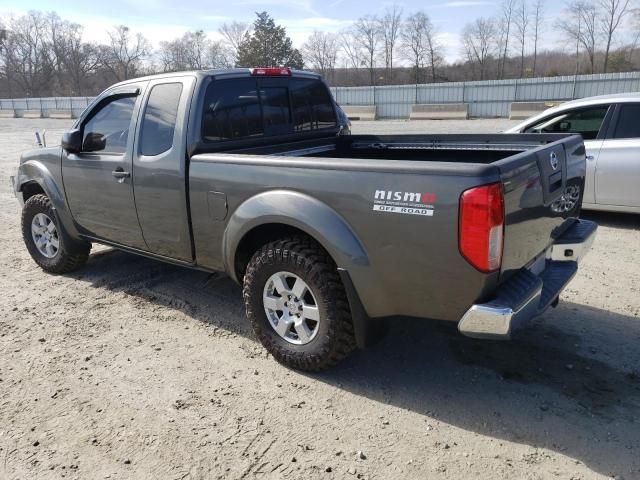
[[97, 180], [618, 168], [159, 167]]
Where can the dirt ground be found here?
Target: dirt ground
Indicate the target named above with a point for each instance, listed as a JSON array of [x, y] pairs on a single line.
[[130, 368]]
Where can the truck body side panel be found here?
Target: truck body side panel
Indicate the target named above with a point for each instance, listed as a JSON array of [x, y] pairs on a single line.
[[414, 267]]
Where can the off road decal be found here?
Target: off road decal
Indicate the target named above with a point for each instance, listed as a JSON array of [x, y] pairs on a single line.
[[407, 203]]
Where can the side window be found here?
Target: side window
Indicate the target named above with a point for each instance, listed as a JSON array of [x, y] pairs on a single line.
[[159, 121], [586, 122], [107, 130], [231, 110], [312, 105], [628, 121]]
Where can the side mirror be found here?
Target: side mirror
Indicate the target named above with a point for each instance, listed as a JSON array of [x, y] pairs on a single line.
[[72, 141], [94, 142]]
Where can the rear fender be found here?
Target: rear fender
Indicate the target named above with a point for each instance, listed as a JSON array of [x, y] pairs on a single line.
[[301, 211]]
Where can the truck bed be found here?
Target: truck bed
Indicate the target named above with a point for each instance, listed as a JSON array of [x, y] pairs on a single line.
[[353, 175]]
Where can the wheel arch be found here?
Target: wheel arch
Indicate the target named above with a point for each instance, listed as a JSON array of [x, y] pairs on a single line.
[[277, 213], [34, 178]]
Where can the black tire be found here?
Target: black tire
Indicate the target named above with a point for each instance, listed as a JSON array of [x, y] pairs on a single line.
[[306, 259], [69, 256]]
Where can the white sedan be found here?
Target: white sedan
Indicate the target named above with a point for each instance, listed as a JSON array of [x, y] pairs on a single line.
[[610, 127]]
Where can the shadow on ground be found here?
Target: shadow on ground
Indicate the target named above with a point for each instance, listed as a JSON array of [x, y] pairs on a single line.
[[629, 221], [549, 388]]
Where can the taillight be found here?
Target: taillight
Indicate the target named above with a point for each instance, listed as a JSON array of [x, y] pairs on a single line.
[[482, 226], [270, 72]]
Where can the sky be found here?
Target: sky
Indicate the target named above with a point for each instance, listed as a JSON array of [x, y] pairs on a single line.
[[162, 20]]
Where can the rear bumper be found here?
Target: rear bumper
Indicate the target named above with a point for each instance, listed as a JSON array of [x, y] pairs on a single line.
[[530, 291]]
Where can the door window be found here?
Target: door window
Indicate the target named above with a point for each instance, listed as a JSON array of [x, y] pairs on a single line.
[[159, 121], [628, 121], [586, 122], [107, 130]]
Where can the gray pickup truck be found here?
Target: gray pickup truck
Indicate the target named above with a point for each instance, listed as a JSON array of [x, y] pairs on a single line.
[[247, 171]]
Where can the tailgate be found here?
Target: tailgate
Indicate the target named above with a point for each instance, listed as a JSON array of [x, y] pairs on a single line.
[[543, 190]]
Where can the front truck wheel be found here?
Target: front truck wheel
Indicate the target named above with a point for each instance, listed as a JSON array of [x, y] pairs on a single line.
[[297, 304], [45, 239]]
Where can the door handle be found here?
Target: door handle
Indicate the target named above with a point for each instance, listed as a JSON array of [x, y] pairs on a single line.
[[120, 174], [590, 157]]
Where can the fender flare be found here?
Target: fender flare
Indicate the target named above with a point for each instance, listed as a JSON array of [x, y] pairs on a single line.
[[36, 172], [298, 210]]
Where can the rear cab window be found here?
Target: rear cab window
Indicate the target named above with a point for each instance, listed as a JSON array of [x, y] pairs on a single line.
[[260, 107]]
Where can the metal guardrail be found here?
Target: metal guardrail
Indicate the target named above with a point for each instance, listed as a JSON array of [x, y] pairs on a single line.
[[490, 98], [75, 105]]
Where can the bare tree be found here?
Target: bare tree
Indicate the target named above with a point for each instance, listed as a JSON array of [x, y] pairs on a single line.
[[614, 12], [366, 33], [389, 27], [123, 55], [580, 23], [197, 49], [172, 55], [27, 55], [234, 34], [354, 56], [538, 17], [636, 38], [478, 39], [219, 56], [73, 58], [193, 51], [522, 20], [505, 21], [321, 52], [420, 44]]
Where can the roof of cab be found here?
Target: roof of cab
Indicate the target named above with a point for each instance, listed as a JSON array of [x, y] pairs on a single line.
[[217, 72]]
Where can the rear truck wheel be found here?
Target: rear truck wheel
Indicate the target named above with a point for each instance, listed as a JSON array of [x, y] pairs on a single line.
[[297, 304], [45, 239]]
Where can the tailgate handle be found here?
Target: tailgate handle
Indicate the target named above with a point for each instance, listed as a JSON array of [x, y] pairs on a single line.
[[555, 181]]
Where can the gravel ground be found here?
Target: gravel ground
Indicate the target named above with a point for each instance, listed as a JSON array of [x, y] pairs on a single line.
[[130, 368]]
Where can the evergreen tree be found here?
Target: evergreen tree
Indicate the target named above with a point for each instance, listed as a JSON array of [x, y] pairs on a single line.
[[268, 46]]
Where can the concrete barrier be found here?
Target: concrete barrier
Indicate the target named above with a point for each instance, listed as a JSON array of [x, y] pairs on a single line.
[[60, 114], [439, 111], [30, 113], [360, 112], [524, 110], [7, 113]]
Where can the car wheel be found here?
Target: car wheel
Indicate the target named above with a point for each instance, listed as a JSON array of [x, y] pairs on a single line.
[[297, 305], [45, 239]]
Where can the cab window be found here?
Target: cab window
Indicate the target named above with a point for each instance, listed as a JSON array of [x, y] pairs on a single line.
[[250, 107], [107, 130], [586, 122], [159, 121], [628, 125]]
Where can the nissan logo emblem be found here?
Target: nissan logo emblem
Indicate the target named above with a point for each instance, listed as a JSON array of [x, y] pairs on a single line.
[[553, 160]]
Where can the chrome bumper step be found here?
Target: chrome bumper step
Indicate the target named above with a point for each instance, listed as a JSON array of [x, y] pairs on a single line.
[[526, 295]]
